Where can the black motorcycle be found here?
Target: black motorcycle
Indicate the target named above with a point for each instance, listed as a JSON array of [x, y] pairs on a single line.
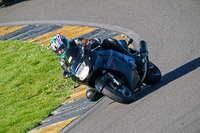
[[112, 73]]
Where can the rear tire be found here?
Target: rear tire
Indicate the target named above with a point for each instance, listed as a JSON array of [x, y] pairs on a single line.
[[153, 75]]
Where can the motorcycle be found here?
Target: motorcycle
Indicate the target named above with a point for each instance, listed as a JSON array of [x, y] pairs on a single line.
[[110, 72]]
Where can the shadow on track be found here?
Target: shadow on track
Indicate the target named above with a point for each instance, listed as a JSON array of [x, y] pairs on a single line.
[[169, 77], [7, 3]]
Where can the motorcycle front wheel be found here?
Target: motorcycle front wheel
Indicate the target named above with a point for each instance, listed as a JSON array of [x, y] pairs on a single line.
[[120, 94]]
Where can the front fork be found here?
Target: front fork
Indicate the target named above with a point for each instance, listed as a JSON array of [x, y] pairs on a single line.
[[101, 81], [114, 80]]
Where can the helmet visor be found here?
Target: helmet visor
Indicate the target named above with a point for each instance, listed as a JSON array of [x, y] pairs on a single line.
[[60, 51]]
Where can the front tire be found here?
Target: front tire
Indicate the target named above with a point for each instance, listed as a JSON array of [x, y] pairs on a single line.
[[123, 95]]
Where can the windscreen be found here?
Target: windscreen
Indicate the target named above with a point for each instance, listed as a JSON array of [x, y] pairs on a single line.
[[73, 57]]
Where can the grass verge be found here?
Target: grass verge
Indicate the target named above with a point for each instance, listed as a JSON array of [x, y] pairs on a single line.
[[31, 85]]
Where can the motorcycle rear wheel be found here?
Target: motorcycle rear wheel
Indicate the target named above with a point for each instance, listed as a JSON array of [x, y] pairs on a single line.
[[153, 75], [117, 95]]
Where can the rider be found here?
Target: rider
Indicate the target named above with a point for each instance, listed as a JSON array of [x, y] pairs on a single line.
[[60, 44]]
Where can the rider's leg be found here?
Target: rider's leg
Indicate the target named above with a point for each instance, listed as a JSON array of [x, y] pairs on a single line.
[[110, 43]]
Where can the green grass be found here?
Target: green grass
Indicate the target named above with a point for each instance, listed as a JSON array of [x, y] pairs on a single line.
[[31, 85]]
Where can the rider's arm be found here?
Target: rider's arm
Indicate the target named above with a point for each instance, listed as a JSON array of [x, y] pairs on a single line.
[[63, 64], [65, 67]]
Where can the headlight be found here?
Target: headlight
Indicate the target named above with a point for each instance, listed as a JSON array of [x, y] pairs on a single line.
[[82, 71]]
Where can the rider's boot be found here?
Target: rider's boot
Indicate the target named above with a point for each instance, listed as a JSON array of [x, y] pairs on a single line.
[[92, 94]]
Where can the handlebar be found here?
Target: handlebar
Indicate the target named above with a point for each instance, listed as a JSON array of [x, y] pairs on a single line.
[[85, 43]]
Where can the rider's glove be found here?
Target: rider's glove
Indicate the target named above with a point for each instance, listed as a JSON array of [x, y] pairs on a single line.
[[66, 75]]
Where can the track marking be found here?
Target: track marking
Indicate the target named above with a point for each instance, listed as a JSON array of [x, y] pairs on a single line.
[[55, 128], [68, 31], [9, 29], [77, 93]]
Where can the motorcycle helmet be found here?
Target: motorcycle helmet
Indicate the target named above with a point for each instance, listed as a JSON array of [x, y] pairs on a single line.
[[59, 44]]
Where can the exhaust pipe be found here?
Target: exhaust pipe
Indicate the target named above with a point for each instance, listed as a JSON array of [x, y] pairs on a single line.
[[144, 54], [143, 48]]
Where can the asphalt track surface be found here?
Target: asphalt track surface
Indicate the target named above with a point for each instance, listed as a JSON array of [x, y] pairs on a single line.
[[172, 30]]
